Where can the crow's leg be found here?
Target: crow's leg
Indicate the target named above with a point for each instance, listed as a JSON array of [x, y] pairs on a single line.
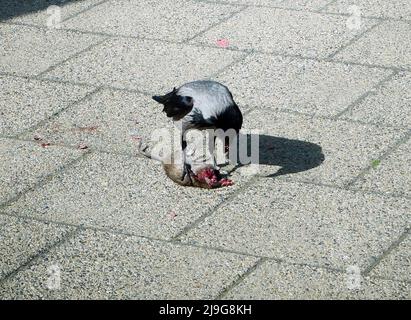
[[211, 149], [186, 166]]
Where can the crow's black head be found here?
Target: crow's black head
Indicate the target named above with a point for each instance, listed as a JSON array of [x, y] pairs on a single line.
[[175, 106]]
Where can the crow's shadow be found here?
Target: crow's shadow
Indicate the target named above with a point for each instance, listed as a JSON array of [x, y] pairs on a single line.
[[291, 155], [14, 8]]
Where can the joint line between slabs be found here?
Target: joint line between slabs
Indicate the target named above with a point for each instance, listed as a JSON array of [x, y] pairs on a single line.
[[240, 278], [366, 94], [390, 249], [353, 40], [209, 46], [209, 213], [384, 154], [51, 68], [41, 253], [52, 117], [84, 10], [45, 179], [233, 14], [323, 8]]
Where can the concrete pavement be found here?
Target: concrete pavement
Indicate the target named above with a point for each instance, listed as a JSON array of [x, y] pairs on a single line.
[[326, 83]]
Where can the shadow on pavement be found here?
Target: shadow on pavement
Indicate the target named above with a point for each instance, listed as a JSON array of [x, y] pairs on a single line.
[[291, 155], [14, 8]]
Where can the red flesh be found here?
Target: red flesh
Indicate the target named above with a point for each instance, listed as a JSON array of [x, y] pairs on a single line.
[[209, 175]]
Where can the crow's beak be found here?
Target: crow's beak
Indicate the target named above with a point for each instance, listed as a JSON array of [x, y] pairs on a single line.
[[159, 99]]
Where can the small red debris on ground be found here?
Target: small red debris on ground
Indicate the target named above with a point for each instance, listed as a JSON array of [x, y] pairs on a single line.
[[45, 144], [222, 43], [135, 138], [172, 215]]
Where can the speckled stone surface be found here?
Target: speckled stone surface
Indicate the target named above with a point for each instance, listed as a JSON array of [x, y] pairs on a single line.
[[140, 64], [23, 164], [284, 281], [292, 4], [306, 86], [388, 44], [108, 266], [314, 149], [22, 240], [399, 9], [394, 95], [326, 101], [30, 51], [397, 264], [110, 120], [285, 32], [391, 175], [305, 223], [178, 20], [26, 95], [121, 193]]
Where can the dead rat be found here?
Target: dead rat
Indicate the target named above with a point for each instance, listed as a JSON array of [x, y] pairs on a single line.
[[202, 176]]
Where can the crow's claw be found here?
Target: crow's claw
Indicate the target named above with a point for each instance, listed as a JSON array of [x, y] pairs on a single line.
[[187, 171]]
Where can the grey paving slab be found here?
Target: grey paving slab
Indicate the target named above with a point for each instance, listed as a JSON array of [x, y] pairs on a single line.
[[399, 9], [141, 64], [121, 193], [397, 264], [24, 102], [110, 120], [21, 240], [317, 150], [293, 4], [392, 174], [307, 86], [282, 281], [30, 50], [283, 31], [106, 266], [305, 223], [388, 44], [41, 12], [24, 163], [177, 20], [387, 105]]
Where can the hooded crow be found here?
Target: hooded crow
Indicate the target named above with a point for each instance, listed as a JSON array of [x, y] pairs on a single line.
[[201, 105]]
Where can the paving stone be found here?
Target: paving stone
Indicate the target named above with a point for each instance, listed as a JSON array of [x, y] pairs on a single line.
[[397, 264], [399, 9], [21, 240], [40, 12], [305, 223], [316, 150], [121, 193], [24, 163], [21, 45], [294, 4], [24, 102], [281, 281], [392, 174], [388, 44], [177, 20], [388, 105], [140, 64], [308, 86], [284, 31], [110, 120], [106, 266]]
